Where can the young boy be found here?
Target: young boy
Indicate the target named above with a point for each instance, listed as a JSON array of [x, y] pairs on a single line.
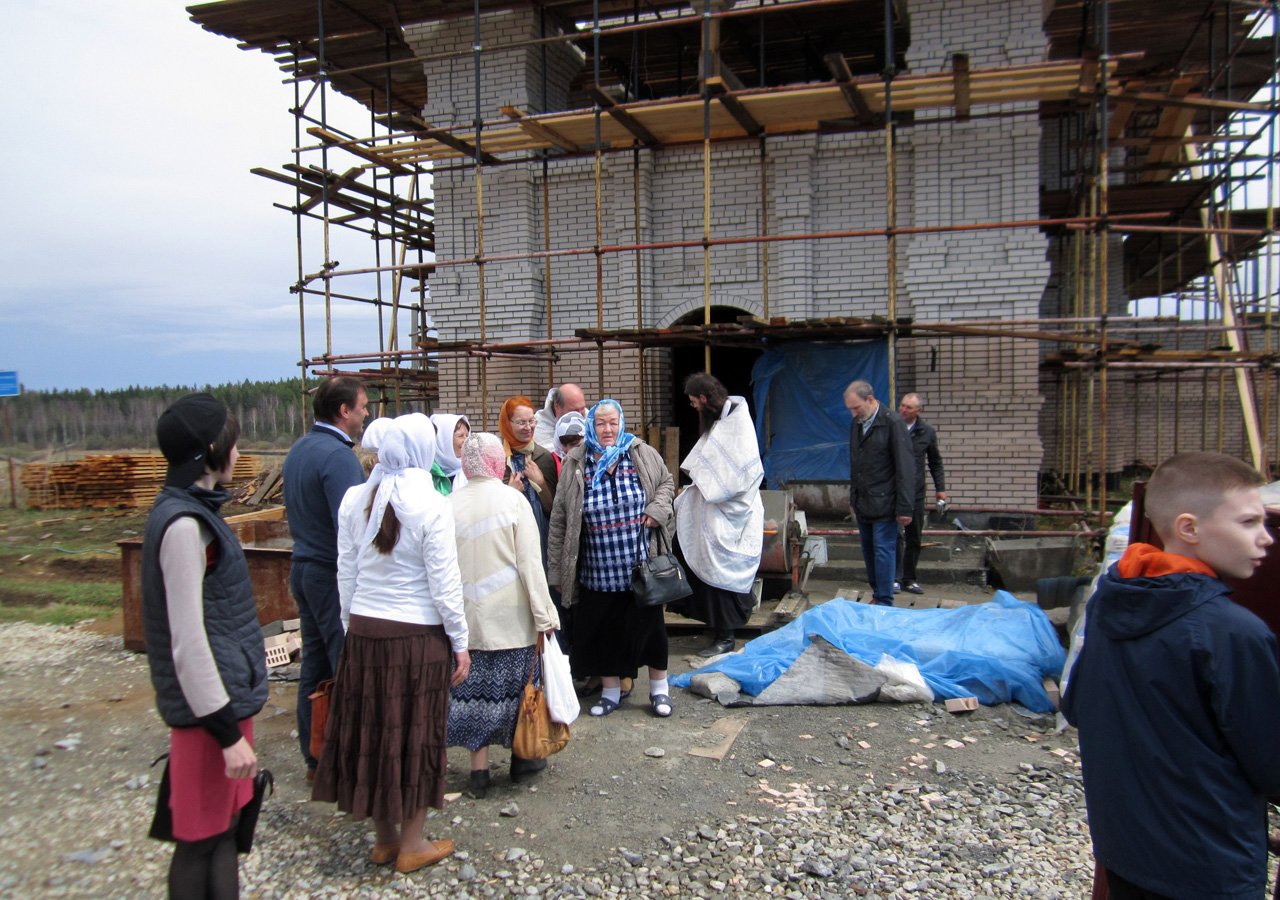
[[1176, 694]]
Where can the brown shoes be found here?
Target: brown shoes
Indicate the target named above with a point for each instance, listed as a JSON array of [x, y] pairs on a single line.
[[381, 854], [412, 862]]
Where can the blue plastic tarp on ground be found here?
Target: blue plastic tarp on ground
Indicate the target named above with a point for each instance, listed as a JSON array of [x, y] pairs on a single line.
[[999, 651], [808, 422]]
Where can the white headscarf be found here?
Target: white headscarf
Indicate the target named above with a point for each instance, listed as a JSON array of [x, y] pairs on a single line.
[[446, 424], [405, 454], [371, 440], [483, 456], [571, 422]]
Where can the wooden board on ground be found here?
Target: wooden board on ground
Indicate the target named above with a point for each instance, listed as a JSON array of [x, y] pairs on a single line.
[[916, 601], [268, 480], [792, 604], [760, 619], [727, 729]]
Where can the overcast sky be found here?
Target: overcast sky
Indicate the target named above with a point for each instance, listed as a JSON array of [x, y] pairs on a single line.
[[137, 247]]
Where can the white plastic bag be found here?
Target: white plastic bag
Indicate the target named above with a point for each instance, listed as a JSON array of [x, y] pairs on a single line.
[[557, 682]]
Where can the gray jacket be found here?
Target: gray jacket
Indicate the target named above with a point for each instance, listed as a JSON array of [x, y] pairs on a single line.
[[564, 541]]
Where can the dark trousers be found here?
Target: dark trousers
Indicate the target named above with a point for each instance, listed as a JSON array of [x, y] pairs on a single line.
[[879, 538], [1120, 889], [315, 589], [909, 543]]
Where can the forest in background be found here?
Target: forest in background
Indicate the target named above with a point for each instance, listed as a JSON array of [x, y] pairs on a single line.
[[94, 420]]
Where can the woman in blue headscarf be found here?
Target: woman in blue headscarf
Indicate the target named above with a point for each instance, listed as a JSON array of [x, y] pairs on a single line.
[[615, 492]]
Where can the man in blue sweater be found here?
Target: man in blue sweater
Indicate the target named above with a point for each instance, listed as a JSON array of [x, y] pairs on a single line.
[[319, 469]]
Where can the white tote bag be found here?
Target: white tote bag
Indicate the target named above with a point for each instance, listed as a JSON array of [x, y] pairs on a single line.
[[557, 682]]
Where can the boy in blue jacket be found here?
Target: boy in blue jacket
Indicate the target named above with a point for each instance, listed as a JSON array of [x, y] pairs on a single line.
[[1176, 693]]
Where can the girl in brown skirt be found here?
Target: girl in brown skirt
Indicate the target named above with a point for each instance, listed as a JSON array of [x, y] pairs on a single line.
[[401, 597]]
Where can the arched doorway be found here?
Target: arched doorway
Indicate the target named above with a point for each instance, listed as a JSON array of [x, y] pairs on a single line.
[[732, 365]]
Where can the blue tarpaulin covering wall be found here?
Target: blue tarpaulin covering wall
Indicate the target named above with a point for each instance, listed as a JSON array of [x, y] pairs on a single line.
[[803, 385]]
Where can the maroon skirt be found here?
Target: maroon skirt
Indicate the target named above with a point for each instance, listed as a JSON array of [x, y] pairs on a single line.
[[384, 750], [201, 796]]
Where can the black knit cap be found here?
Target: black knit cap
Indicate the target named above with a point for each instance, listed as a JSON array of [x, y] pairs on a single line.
[[185, 431]]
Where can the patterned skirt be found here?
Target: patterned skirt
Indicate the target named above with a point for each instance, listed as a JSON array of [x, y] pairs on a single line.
[[482, 710], [384, 751]]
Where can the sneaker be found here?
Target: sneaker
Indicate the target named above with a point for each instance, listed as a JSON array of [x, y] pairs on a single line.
[[897, 586], [914, 588]]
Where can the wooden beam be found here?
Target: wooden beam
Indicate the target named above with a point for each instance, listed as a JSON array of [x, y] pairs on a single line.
[[1196, 102], [425, 129], [356, 149], [345, 179], [721, 92], [538, 131], [1173, 122], [840, 73], [620, 115], [1088, 83], [960, 79], [728, 77], [1122, 111]]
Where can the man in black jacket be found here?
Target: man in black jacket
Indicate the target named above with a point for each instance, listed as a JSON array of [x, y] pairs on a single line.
[[924, 445], [882, 484]]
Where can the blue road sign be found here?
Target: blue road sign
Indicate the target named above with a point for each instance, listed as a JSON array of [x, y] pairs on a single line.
[[9, 384]]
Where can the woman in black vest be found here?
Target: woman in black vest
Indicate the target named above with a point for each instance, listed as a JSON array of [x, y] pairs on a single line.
[[204, 645]]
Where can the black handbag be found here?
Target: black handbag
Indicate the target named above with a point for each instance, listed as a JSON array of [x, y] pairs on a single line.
[[162, 821], [263, 784], [660, 578]]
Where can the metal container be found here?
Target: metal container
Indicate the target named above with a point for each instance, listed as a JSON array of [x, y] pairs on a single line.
[[267, 549]]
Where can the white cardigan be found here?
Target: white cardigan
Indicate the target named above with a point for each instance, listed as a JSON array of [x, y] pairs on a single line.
[[417, 582], [500, 555]]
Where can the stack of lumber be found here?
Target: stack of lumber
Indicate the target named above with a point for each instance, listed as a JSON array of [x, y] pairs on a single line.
[[106, 481]]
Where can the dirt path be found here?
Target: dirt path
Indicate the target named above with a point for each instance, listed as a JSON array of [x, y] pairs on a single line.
[[79, 733]]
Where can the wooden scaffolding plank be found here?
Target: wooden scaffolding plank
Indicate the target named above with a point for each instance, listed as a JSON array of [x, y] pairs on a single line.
[[773, 110]]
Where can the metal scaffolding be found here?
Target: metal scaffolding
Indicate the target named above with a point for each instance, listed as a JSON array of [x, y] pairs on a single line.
[[1158, 127]]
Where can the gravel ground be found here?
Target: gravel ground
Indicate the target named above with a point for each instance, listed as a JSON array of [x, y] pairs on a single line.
[[875, 801]]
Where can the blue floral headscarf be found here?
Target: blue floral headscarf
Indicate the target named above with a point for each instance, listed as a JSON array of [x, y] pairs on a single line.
[[607, 456]]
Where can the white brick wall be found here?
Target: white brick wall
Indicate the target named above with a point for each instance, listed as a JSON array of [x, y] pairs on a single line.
[[982, 394]]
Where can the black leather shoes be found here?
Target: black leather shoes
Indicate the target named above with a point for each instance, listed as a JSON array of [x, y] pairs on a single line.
[[715, 648], [523, 768], [479, 783]]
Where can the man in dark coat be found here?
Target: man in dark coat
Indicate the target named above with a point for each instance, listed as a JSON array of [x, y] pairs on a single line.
[[882, 484], [924, 445]]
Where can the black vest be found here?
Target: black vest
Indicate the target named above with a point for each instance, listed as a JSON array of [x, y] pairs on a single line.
[[230, 612]]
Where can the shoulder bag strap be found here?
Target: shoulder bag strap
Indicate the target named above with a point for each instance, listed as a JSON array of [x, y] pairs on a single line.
[[536, 653]]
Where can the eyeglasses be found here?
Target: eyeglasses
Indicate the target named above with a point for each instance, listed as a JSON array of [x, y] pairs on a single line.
[[523, 423]]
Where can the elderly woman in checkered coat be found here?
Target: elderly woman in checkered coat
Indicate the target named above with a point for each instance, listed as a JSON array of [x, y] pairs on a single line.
[[614, 493]]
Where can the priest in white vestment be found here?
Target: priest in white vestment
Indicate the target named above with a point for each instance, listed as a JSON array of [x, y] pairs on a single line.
[[719, 517]]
